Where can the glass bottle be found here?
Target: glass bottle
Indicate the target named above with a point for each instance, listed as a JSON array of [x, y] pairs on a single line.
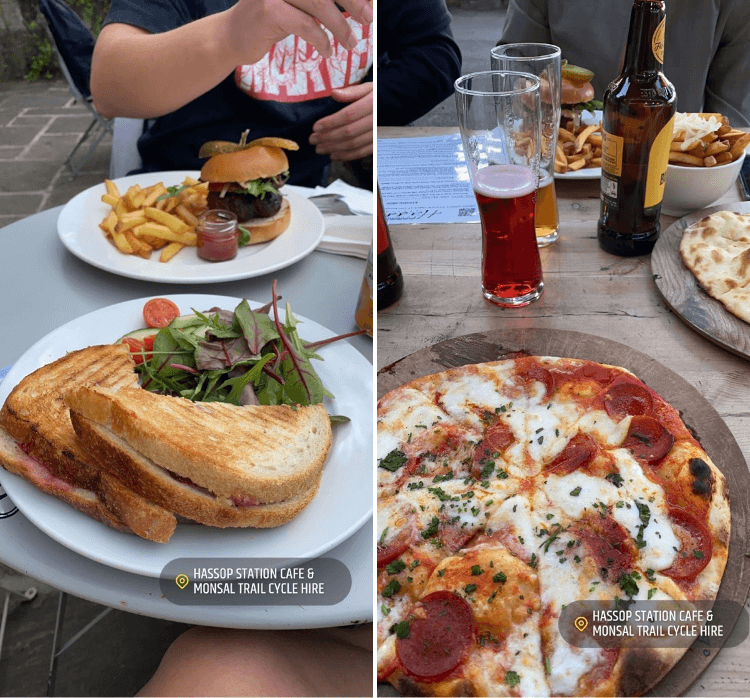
[[638, 116], [390, 278]]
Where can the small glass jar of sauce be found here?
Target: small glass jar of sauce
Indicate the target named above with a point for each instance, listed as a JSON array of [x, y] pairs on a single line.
[[217, 235]]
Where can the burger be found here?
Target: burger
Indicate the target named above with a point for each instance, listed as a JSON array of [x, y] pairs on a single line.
[[576, 96], [245, 178]]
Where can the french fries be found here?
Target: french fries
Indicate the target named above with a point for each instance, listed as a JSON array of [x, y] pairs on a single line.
[[714, 143], [580, 149], [143, 219]]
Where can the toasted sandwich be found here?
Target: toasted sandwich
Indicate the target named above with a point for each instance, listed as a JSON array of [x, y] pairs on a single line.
[[215, 463], [37, 442]]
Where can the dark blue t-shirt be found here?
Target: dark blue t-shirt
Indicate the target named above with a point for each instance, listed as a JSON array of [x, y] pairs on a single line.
[[172, 142]]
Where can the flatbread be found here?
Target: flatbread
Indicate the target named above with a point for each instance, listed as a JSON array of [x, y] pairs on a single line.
[[716, 249]]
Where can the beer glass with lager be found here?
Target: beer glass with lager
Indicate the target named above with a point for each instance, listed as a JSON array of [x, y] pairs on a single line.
[[499, 120], [542, 60]]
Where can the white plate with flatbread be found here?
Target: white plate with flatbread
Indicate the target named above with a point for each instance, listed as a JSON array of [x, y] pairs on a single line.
[[343, 503], [684, 294]]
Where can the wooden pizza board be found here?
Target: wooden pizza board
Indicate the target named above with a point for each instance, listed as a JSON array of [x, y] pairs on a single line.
[[684, 295], [696, 411]]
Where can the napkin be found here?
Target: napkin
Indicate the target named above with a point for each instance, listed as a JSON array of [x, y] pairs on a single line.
[[346, 235], [359, 200]]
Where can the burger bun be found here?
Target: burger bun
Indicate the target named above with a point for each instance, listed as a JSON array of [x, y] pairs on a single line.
[[257, 162], [265, 229], [574, 93]]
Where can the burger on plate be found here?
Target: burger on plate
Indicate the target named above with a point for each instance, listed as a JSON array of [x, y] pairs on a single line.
[[245, 178], [576, 96]]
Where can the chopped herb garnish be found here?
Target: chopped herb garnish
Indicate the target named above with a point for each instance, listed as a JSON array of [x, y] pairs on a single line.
[[395, 567], [393, 587], [393, 461]]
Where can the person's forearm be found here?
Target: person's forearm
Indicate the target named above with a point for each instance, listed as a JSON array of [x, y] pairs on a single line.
[[141, 75]]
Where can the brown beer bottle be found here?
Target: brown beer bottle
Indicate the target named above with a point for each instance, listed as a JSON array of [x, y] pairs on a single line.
[[390, 278], [639, 108]]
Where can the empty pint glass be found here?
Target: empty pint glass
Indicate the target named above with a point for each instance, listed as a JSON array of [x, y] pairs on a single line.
[[542, 60], [499, 119]]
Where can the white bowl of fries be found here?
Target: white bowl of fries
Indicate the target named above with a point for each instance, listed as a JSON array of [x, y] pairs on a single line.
[[705, 158]]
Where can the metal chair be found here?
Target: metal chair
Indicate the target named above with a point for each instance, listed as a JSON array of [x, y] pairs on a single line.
[[74, 46]]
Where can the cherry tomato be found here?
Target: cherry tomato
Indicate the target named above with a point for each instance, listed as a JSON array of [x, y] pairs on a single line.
[[159, 312]]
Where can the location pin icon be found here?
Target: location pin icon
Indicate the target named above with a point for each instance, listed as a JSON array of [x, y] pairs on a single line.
[[182, 580], [581, 623]]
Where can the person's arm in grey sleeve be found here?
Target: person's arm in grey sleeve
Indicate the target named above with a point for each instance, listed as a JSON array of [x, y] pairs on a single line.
[[418, 60], [526, 21], [728, 80]]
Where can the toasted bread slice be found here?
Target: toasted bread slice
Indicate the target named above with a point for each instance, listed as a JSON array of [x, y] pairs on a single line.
[[136, 515], [36, 417], [182, 497], [257, 453]]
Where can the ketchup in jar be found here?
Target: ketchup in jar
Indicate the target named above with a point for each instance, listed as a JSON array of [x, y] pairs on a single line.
[[217, 235]]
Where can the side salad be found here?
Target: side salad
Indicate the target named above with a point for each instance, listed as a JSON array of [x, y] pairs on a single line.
[[244, 357]]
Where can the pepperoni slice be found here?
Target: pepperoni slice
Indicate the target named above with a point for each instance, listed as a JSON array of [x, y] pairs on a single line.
[[532, 372], [496, 439], [647, 439], [625, 398], [159, 312], [696, 545], [580, 450], [391, 550], [608, 543], [439, 640]]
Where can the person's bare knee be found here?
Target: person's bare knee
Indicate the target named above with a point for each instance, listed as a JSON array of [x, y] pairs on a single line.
[[212, 661]]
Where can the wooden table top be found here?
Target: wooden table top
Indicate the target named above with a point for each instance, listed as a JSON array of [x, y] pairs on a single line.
[[586, 290]]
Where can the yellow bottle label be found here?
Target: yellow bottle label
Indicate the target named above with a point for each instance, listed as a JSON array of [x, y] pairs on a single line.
[[657, 41], [612, 154], [658, 159]]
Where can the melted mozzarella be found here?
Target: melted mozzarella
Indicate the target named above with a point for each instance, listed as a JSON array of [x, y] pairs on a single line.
[[661, 542], [541, 432], [603, 428], [568, 664], [404, 414], [577, 492], [461, 397]]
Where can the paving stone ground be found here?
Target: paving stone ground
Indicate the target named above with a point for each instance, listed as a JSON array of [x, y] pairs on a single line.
[[40, 123]]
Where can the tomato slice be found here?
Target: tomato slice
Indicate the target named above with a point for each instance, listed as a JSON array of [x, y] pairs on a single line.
[[580, 450], [136, 347], [647, 439], [439, 640], [696, 545], [159, 312], [625, 398]]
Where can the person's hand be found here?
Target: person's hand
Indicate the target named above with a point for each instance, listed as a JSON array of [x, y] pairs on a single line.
[[254, 26], [347, 134]]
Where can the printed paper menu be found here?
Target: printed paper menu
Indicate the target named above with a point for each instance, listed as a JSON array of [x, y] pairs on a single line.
[[425, 180]]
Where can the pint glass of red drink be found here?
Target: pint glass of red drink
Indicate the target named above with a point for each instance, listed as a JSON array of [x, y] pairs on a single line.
[[499, 116]]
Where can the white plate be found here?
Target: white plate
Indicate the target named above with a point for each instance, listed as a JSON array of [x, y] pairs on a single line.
[[343, 502], [591, 172], [78, 228]]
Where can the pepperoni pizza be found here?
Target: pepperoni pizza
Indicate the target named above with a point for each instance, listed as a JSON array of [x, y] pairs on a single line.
[[507, 490]]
